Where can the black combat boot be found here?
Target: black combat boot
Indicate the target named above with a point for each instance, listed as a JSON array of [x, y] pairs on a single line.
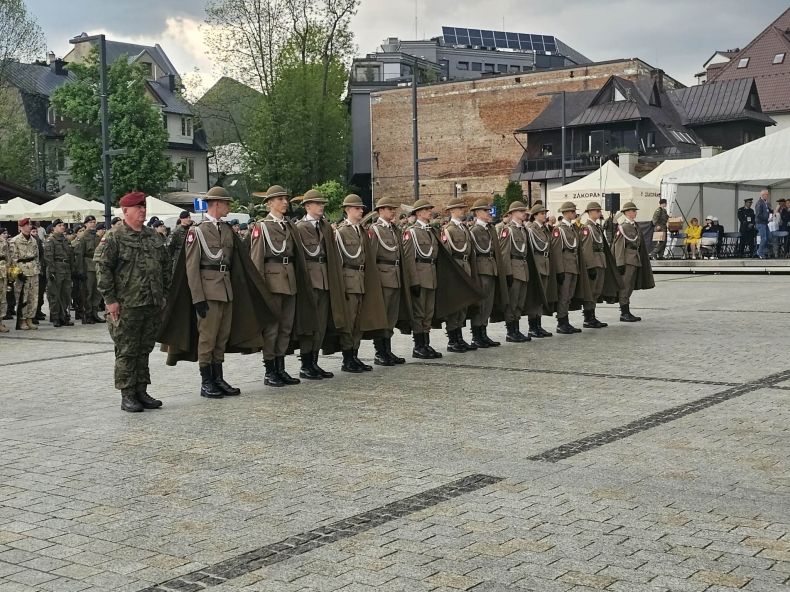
[[434, 354], [349, 365], [477, 338], [308, 371], [129, 401], [626, 316], [68, 322], [365, 367], [541, 330], [392, 357], [381, 359], [518, 330], [420, 351], [514, 334], [488, 340], [533, 329], [208, 387], [146, 400], [284, 376], [321, 371], [272, 377], [468, 346], [564, 327], [227, 390], [453, 345]]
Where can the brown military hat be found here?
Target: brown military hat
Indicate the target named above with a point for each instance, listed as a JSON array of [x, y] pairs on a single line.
[[313, 196], [456, 202], [481, 204], [568, 206], [629, 205], [353, 200], [421, 204], [271, 192], [537, 209], [593, 205], [297, 199], [217, 194], [517, 206], [386, 202]]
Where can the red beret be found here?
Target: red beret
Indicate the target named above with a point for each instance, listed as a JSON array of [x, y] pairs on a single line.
[[136, 198], [24, 222]]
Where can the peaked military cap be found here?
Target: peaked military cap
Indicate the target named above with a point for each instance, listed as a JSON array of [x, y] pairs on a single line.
[[89, 219], [385, 202], [568, 206], [593, 205], [537, 209], [313, 196], [629, 205], [456, 202], [481, 204], [517, 206], [353, 200], [421, 204], [217, 194]]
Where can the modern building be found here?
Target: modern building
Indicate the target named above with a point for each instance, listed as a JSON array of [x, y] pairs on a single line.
[[766, 59], [458, 54], [649, 116]]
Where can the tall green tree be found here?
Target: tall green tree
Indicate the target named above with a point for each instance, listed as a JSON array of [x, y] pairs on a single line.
[[21, 38], [135, 125]]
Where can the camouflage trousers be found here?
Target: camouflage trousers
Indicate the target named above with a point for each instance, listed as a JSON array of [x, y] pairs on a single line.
[[30, 296], [3, 295], [134, 335]]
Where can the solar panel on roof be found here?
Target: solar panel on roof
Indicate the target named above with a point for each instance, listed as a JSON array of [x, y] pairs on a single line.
[[499, 39]]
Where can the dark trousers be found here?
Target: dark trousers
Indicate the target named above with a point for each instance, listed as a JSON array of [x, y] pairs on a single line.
[[747, 241]]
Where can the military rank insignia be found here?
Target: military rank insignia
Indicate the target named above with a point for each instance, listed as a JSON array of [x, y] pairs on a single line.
[[444, 237]]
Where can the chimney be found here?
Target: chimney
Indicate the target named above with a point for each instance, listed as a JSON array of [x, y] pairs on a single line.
[[628, 161], [58, 67], [171, 82], [657, 76], [50, 57]]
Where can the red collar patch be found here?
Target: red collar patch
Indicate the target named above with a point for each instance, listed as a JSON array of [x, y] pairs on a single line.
[[586, 231], [191, 237], [556, 233], [256, 231], [406, 235]]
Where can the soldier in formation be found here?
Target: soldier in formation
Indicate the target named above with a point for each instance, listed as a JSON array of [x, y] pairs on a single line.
[[25, 258], [5, 266], [632, 261], [86, 271], [59, 256]]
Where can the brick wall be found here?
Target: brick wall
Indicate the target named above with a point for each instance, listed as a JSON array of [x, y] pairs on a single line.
[[469, 127]]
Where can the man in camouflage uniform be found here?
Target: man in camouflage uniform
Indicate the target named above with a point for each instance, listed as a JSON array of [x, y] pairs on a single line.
[[178, 237], [594, 259], [133, 273], [5, 263], [59, 257], [24, 255], [514, 243], [455, 236], [84, 251]]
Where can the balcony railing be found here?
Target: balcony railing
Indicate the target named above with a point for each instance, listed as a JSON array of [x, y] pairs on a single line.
[[574, 162]]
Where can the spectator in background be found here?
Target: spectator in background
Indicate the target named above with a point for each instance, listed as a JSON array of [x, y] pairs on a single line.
[[762, 215], [114, 222], [693, 235], [712, 226], [660, 219]]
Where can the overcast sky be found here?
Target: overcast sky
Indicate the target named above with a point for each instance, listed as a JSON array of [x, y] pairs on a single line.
[[676, 35]]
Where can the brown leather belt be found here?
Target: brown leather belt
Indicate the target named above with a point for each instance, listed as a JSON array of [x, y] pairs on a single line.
[[354, 267], [427, 260], [395, 262], [222, 267]]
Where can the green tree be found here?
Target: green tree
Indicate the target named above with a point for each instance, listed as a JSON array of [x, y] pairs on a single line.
[[17, 156], [21, 38], [334, 193], [513, 192], [501, 204], [135, 125]]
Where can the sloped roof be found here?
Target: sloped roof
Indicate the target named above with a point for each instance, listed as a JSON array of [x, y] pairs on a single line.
[[171, 102], [724, 100], [39, 79], [116, 49], [551, 116], [773, 80], [227, 109]]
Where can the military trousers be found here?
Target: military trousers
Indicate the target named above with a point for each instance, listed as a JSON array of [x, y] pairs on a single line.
[[3, 290], [277, 336], [534, 309], [517, 301], [456, 320], [392, 308], [213, 332], [90, 295], [483, 313], [27, 292], [423, 308], [566, 291], [134, 336], [59, 295], [313, 342], [596, 287], [352, 339], [629, 283]]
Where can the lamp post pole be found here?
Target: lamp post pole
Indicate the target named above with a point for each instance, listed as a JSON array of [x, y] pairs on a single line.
[[415, 138], [105, 128]]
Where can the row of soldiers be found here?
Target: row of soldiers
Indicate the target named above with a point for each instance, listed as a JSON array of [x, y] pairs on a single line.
[[308, 286]]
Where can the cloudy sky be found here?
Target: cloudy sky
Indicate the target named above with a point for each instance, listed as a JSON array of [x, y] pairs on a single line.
[[676, 35]]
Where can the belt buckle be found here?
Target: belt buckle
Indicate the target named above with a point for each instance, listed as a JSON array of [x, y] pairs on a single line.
[[286, 260], [546, 254], [397, 262], [223, 268], [361, 268]]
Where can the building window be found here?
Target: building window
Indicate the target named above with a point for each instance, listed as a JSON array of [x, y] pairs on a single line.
[[618, 95], [501, 68], [186, 126], [164, 120], [148, 69], [60, 159], [51, 115], [463, 65], [477, 67], [189, 168], [743, 62], [547, 150], [651, 139], [489, 68], [779, 58], [514, 69]]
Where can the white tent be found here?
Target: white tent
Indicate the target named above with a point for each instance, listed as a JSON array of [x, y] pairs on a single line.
[[668, 167], [608, 179], [67, 207], [717, 185], [156, 207], [15, 209]]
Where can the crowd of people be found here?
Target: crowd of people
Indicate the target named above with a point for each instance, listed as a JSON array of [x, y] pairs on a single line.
[[284, 283]]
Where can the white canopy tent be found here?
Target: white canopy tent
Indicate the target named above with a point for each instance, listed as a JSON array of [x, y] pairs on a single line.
[[67, 207], [15, 209], [717, 186], [657, 175], [157, 207], [608, 179]]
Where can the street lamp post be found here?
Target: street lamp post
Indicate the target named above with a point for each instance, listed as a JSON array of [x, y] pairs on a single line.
[[415, 138], [554, 94]]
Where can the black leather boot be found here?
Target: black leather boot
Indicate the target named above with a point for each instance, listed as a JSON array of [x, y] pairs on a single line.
[[308, 371], [219, 380], [381, 358], [321, 371], [434, 354], [468, 346], [533, 329], [420, 351], [518, 330], [563, 326], [272, 377], [146, 400], [477, 338], [489, 341], [365, 367], [208, 387], [129, 401], [590, 322], [626, 316], [541, 330], [286, 378], [513, 334], [392, 357], [453, 345], [349, 365]]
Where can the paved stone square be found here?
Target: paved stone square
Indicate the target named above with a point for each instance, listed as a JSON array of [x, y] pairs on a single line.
[[642, 457]]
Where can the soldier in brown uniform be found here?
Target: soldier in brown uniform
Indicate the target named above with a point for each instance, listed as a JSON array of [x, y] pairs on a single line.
[[455, 236], [324, 268], [352, 241], [632, 261], [593, 245], [58, 256], [387, 248], [273, 251], [486, 247], [209, 253], [540, 241], [421, 251], [514, 244], [565, 265]]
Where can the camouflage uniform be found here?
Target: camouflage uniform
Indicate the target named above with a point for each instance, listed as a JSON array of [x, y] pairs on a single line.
[[58, 257], [133, 270], [5, 261], [24, 255], [84, 250]]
